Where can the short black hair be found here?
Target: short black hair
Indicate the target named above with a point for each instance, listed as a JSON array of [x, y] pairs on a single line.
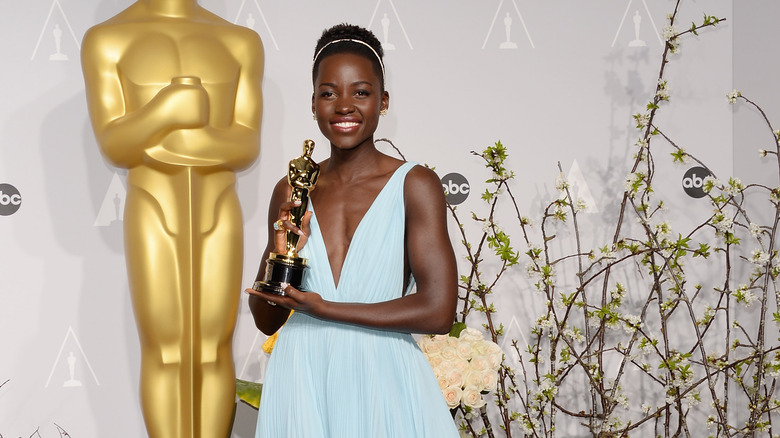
[[345, 31]]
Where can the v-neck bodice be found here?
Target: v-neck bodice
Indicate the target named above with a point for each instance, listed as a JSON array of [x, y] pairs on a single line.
[[375, 248]]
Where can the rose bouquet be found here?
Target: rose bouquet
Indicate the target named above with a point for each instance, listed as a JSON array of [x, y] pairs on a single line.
[[465, 365]]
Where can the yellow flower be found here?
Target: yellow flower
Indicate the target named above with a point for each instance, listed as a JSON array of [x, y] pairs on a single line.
[[268, 345]]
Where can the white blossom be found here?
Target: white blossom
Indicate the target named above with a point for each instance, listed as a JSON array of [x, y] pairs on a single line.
[[641, 122], [774, 196], [663, 90], [759, 257], [575, 335], [734, 187], [709, 183], [580, 205], [631, 179], [732, 97], [530, 270], [745, 296], [663, 230], [669, 32], [632, 323], [754, 229], [722, 223], [560, 182]]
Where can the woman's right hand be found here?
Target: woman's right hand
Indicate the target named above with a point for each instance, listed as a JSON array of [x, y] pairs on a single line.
[[285, 224]]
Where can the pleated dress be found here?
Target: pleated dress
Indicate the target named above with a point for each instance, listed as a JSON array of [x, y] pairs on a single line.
[[333, 380]]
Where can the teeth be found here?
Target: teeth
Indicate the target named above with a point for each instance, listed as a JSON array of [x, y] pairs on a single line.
[[346, 124]]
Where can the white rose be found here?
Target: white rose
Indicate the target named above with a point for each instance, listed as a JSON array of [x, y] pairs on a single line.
[[445, 365], [489, 380], [480, 364], [473, 379], [471, 334], [461, 365], [452, 396], [435, 361], [494, 355], [431, 347], [481, 347], [449, 354], [442, 380], [454, 378], [472, 398], [465, 349]]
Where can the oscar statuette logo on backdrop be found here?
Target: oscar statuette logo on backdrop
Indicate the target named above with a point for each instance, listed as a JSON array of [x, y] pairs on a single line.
[[389, 25], [55, 35], [637, 27], [113, 205], [510, 18], [248, 16]]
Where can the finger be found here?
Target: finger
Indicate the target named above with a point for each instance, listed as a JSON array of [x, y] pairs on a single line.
[[270, 299], [285, 207], [306, 223]]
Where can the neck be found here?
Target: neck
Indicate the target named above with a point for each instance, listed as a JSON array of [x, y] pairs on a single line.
[[355, 163], [173, 8]]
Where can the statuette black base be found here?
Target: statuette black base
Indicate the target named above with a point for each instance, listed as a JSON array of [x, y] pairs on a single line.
[[280, 268]]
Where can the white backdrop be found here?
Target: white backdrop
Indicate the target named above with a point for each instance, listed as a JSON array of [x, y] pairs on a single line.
[[563, 89]]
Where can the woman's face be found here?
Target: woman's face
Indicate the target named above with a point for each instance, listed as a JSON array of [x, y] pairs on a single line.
[[347, 99]]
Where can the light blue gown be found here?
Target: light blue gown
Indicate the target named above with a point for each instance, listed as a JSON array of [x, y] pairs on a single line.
[[333, 380]]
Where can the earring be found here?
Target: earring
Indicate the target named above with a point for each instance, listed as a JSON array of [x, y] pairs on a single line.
[[313, 116], [383, 112]]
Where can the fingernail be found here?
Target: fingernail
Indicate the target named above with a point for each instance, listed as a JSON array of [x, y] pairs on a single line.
[[284, 285], [298, 202]]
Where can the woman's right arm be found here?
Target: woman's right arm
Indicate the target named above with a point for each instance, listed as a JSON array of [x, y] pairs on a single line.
[[270, 318]]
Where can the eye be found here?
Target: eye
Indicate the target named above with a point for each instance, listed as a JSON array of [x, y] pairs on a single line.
[[326, 94], [362, 93]]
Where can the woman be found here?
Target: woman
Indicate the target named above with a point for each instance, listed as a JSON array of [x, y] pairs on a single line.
[[345, 364]]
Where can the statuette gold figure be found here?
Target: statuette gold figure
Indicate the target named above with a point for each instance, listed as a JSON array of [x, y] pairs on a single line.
[[289, 268]]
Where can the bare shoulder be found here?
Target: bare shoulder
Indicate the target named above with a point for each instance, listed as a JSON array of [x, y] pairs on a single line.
[[423, 177], [423, 185]]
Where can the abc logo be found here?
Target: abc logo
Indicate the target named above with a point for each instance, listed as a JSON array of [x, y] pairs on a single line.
[[456, 187], [10, 200], [693, 181]]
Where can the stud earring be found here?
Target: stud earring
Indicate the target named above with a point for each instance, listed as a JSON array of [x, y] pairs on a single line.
[[383, 112], [313, 116]]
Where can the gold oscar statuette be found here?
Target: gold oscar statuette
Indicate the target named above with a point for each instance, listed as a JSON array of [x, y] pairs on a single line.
[[289, 267]]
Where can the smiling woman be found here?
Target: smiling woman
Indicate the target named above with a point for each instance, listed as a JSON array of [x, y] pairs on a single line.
[[345, 364]]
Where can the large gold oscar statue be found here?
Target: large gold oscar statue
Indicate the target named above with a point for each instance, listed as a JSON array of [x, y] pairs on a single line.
[[174, 95]]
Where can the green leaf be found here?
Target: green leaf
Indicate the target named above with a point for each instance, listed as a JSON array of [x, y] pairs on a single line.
[[457, 328], [249, 392]]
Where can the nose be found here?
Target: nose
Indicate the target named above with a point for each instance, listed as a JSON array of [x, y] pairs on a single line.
[[344, 105]]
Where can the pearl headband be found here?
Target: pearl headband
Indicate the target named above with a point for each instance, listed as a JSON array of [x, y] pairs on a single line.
[[381, 64]]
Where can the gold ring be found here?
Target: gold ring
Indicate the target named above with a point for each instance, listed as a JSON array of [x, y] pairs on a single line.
[[279, 225]]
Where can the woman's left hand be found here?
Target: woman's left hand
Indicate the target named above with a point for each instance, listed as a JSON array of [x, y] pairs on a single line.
[[306, 302]]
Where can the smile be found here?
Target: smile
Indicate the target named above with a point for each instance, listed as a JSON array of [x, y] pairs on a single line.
[[346, 124]]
